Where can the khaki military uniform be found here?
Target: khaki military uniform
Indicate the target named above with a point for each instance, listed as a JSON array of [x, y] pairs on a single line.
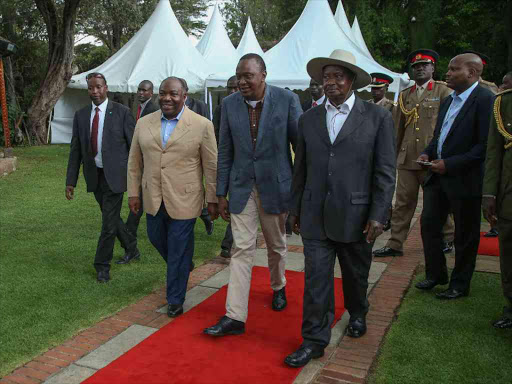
[[415, 129], [490, 86], [498, 183], [386, 103]]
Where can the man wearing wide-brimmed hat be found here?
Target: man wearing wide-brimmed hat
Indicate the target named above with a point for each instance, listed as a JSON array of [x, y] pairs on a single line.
[[343, 182]]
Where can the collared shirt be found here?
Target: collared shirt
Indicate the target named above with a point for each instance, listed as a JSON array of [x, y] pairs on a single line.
[[168, 126], [421, 88], [254, 108], [336, 116], [103, 109], [458, 102], [143, 105], [320, 101]]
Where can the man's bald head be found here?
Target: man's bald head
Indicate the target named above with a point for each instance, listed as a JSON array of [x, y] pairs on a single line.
[[463, 71]]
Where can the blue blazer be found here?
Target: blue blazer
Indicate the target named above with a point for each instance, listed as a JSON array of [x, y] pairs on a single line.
[[464, 148], [269, 165]]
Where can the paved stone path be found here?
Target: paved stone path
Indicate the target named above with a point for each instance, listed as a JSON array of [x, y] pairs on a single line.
[[346, 360]]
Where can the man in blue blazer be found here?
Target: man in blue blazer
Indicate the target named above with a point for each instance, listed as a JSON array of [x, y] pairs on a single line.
[[454, 183], [258, 126]]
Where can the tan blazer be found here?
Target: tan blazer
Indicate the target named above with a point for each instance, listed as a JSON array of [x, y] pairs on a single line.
[[173, 174]]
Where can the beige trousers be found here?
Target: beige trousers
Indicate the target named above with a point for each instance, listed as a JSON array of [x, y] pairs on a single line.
[[245, 230], [406, 199]]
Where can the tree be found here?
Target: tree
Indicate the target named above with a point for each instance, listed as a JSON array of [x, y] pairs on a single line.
[[114, 22], [60, 26]]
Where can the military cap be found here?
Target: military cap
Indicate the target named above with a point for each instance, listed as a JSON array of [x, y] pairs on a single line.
[[485, 58], [423, 56], [380, 80]]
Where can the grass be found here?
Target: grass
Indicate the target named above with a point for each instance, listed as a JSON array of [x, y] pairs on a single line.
[[453, 342], [48, 284]]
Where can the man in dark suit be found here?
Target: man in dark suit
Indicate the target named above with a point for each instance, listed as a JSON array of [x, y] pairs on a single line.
[[255, 167], [455, 157], [317, 95], [343, 182], [200, 108], [144, 94], [227, 242], [102, 136]]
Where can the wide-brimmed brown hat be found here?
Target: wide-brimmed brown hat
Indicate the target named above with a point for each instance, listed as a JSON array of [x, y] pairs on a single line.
[[343, 59]]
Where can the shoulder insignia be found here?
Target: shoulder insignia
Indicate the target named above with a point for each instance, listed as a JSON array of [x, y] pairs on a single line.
[[504, 92], [440, 82], [488, 83]]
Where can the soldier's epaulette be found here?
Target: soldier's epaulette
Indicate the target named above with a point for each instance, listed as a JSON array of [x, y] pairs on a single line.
[[503, 92], [488, 83], [441, 82], [408, 88]]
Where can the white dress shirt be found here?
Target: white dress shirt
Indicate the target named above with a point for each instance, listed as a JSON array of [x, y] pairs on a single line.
[[318, 102], [458, 102], [336, 116], [103, 109]]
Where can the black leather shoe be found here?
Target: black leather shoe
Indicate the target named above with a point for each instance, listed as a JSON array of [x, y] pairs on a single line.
[[428, 284], [492, 233], [303, 355], [451, 293], [129, 256], [226, 326], [279, 300], [225, 253], [208, 223], [386, 251], [447, 246], [503, 323], [174, 310], [103, 276], [357, 327]]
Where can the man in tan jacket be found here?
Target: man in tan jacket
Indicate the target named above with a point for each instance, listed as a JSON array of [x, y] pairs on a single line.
[[172, 151], [418, 108]]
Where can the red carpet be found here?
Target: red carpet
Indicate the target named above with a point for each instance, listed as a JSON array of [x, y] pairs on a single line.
[[180, 354], [488, 246]]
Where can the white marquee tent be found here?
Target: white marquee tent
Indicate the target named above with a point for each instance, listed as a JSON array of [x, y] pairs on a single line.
[[158, 50], [341, 18], [286, 62], [216, 47], [358, 35], [249, 42]]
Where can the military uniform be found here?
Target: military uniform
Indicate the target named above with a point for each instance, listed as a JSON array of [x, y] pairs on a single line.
[[490, 86], [417, 116], [381, 80], [498, 183], [386, 103]]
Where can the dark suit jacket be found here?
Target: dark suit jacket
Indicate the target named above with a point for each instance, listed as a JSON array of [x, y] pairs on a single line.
[[338, 187], [306, 106], [149, 108], [269, 165], [217, 113], [464, 148], [198, 107], [118, 130]]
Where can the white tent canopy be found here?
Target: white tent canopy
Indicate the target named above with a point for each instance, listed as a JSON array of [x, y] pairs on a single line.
[[356, 31], [341, 18], [216, 47], [286, 62], [249, 42], [158, 50]]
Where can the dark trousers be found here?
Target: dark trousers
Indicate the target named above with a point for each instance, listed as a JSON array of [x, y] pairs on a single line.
[[318, 311], [505, 239], [227, 242], [466, 214], [174, 240], [112, 225]]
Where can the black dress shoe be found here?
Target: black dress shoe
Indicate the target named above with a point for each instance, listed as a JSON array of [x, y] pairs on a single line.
[[447, 246], [492, 233], [226, 326], [451, 293], [303, 355], [225, 253], [428, 284], [386, 251], [129, 256], [174, 310], [103, 276], [357, 327], [503, 323], [279, 300], [208, 223]]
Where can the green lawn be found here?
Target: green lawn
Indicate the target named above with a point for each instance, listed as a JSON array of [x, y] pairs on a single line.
[[48, 284], [453, 342]]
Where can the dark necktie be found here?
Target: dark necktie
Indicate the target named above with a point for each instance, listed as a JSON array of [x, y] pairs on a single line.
[[94, 132], [139, 110]]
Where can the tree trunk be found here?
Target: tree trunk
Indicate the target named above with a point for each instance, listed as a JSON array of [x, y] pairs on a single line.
[[60, 41]]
